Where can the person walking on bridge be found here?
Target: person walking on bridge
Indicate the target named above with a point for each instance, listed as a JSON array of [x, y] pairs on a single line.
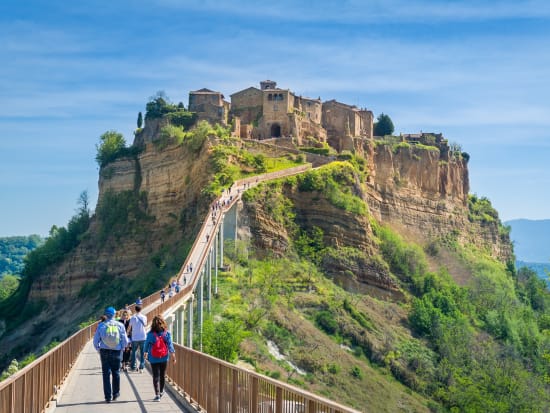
[[110, 339], [137, 324], [158, 347]]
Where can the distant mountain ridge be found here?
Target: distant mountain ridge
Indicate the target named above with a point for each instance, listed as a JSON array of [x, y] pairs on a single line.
[[531, 239], [13, 250], [541, 269]]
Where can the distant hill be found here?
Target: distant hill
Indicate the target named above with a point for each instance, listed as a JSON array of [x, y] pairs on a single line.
[[13, 250], [542, 269], [531, 239]]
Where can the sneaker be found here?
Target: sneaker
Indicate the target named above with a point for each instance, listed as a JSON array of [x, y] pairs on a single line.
[[116, 396], [107, 400], [161, 394], [157, 398], [140, 371]]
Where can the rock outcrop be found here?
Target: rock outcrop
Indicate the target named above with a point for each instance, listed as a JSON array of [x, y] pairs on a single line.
[[168, 185], [417, 191]]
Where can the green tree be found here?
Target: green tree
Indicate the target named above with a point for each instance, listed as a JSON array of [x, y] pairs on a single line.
[[222, 339], [83, 203], [8, 284], [111, 144], [140, 120], [383, 126]]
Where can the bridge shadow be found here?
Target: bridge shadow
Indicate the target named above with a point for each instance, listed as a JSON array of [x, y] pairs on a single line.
[[136, 392]]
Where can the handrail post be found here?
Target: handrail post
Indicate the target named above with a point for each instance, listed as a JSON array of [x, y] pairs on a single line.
[[254, 407], [279, 400], [234, 390]]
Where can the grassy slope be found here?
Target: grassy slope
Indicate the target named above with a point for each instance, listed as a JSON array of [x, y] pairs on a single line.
[[288, 320]]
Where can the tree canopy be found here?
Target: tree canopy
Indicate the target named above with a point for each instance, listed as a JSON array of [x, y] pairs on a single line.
[[383, 126], [13, 250], [111, 144]]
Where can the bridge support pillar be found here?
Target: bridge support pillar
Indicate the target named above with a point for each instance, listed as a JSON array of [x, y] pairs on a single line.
[[170, 324], [209, 279], [200, 307], [190, 322], [216, 263], [220, 236], [180, 317]]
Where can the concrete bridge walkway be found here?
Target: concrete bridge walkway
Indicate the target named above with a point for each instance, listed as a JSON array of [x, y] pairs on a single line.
[[84, 390]]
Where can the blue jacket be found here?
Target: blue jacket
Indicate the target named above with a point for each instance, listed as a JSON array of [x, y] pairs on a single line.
[[150, 340], [100, 332]]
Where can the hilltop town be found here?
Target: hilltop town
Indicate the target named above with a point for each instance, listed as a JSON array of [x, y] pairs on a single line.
[[271, 112]]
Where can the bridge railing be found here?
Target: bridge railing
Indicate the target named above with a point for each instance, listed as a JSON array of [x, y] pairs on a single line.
[[221, 387], [34, 386]]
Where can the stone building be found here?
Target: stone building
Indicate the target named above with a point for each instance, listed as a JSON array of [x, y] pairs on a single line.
[[271, 112], [247, 105], [342, 121], [209, 106]]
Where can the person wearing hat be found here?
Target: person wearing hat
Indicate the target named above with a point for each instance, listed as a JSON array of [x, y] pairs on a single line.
[[109, 340]]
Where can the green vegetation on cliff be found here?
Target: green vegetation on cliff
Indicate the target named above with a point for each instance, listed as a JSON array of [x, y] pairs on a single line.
[[483, 345]]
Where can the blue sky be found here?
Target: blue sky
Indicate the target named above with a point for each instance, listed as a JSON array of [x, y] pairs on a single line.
[[478, 71]]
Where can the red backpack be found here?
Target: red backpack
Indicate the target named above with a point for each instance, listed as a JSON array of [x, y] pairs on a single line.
[[159, 349]]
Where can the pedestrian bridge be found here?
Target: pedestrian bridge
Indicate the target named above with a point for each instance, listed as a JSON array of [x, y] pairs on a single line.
[[68, 377]]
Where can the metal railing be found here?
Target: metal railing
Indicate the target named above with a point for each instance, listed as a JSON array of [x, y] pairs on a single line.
[[32, 388], [221, 387]]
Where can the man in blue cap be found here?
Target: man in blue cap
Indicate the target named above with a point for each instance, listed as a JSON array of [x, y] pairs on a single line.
[[110, 339]]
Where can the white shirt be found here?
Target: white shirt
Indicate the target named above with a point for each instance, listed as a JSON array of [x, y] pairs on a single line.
[[138, 322]]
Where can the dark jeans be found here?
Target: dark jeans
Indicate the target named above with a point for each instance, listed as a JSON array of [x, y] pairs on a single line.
[[135, 346], [126, 354], [159, 370], [110, 365]]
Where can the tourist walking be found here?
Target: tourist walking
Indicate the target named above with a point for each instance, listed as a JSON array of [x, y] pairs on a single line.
[[127, 352], [109, 340], [158, 347], [137, 324], [162, 295]]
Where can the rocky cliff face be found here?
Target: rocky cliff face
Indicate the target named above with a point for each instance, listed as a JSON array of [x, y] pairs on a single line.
[[425, 196], [168, 183], [411, 189]]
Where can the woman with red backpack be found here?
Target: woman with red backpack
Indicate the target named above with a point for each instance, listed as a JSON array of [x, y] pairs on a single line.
[[158, 347]]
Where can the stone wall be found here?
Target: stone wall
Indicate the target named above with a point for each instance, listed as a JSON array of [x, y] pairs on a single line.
[[247, 104]]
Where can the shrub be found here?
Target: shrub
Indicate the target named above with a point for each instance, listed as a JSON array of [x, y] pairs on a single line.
[[356, 372], [167, 133], [111, 145], [222, 339], [198, 136], [407, 260], [325, 319], [182, 118], [481, 210]]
